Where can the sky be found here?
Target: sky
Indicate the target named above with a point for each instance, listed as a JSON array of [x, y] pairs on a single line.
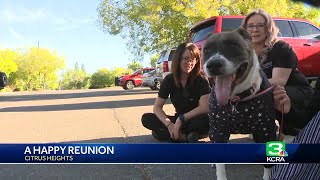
[[69, 27]]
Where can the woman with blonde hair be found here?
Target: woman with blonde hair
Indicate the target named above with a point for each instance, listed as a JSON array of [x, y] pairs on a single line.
[[280, 64]]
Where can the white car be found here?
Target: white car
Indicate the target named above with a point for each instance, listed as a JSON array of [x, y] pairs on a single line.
[[163, 66], [151, 80]]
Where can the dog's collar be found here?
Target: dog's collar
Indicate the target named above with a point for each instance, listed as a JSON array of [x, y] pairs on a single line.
[[247, 94]]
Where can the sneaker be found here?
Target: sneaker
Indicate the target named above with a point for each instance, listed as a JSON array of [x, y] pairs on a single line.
[[193, 137]]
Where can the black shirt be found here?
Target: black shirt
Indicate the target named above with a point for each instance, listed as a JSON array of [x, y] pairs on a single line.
[[184, 99], [283, 56]]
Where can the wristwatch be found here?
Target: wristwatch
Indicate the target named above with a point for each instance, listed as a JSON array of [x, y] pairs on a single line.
[[181, 117]]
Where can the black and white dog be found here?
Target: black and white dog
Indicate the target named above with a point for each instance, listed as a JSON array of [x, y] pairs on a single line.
[[238, 101]]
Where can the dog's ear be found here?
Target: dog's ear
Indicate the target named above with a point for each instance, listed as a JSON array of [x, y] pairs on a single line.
[[246, 36]]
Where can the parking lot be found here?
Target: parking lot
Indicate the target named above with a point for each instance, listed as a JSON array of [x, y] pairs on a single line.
[[95, 116]]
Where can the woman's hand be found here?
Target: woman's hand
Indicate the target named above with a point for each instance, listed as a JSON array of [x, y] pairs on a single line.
[[170, 128], [281, 99], [175, 133]]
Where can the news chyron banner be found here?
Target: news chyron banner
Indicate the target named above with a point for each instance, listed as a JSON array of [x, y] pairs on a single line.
[[201, 153]]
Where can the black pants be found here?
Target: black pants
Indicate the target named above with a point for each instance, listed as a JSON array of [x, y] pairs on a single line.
[[199, 124], [297, 118]]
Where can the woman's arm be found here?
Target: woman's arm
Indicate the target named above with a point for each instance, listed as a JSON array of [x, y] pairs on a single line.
[[158, 111], [202, 108], [280, 76], [284, 60], [281, 99]]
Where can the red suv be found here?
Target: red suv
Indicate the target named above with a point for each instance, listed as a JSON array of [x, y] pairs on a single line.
[[303, 36], [132, 80]]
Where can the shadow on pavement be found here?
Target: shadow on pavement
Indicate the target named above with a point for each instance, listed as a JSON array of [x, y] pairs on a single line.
[[86, 93], [80, 106]]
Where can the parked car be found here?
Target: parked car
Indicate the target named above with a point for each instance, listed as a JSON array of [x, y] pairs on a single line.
[[3, 80], [151, 80], [132, 80], [163, 66], [302, 35]]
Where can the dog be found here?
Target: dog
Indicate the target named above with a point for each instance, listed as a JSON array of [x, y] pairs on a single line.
[[241, 101]]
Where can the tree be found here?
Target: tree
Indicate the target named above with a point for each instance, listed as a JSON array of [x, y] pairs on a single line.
[[153, 60], [119, 71], [134, 65], [35, 65], [83, 69], [150, 26], [101, 79], [75, 78], [76, 66], [7, 61], [27, 75], [49, 62]]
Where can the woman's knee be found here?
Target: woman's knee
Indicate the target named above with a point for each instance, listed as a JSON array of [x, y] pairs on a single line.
[[149, 120], [199, 124], [146, 118]]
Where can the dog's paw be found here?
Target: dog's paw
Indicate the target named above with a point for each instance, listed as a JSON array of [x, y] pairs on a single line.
[[266, 173], [221, 178]]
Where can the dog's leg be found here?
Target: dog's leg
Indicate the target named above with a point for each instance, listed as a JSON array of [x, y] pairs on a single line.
[[262, 139], [266, 173], [221, 172], [220, 137]]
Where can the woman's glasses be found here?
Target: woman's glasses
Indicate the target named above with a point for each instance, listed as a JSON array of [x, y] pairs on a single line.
[[259, 27], [188, 59]]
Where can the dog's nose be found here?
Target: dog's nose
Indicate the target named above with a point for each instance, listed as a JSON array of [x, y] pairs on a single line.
[[216, 66]]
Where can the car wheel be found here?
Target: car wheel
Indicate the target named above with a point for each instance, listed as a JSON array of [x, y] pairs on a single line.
[[3, 79], [157, 85], [129, 85]]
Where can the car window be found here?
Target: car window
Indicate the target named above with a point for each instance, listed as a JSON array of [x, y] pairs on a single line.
[[136, 71], [161, 58], [152, 72], [171, 55], [229, 24], [202, 31], [284, 28], [147, 70], [306, 29]]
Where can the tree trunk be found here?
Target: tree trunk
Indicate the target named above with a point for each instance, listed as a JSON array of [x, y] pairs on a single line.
[[44, 82]]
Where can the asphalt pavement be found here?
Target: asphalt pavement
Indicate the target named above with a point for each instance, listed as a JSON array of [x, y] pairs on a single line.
[[94, 116]]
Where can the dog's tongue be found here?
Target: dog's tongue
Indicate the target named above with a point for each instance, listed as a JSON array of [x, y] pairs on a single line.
[[223, 88]]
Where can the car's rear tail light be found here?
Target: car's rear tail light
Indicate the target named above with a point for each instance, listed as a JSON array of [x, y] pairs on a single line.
[[165, 66]]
